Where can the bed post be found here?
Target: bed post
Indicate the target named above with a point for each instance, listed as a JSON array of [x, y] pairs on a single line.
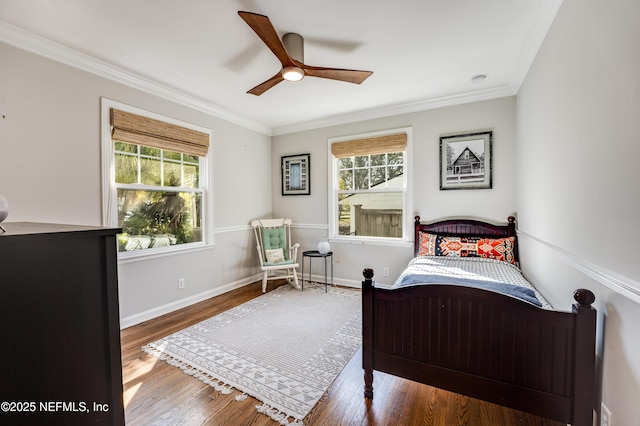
[[367, 331], [584, 373], [416, 235], [511, 226]]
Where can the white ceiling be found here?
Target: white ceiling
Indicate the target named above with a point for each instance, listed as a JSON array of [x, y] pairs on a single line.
[[423, 53]]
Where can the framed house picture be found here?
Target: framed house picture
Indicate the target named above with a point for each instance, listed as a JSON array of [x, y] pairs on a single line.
[[296, 174], [465, 161]]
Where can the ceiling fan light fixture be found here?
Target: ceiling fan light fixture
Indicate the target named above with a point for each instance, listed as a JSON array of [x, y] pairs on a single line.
[[292, 73]]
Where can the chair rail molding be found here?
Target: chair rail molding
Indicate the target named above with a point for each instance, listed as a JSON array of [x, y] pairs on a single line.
[[227, 229], [619, 283]]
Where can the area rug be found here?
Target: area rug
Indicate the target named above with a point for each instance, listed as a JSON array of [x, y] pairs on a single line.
[[283, 348]]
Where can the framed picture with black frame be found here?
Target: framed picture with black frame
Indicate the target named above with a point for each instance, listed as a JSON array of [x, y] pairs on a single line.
[[296, 174], [466, 160]]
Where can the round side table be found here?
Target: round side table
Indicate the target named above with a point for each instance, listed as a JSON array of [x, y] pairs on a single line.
[[328, 257]]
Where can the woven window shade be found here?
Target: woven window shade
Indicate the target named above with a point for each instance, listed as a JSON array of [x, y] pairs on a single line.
[[370, 146], [139, 130]]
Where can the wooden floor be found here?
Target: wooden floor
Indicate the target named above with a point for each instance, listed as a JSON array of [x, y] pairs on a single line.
[[156, 393]]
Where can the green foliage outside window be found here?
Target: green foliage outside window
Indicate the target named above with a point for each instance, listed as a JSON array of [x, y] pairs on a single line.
[[156, 207]]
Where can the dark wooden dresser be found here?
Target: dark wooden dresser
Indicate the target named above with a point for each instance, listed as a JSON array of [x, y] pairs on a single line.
[[60, 327]]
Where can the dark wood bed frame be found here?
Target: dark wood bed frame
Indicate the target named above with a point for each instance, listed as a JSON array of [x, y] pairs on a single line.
[[480, 343]]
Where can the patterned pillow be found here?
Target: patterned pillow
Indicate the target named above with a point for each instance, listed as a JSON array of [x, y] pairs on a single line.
[[492, 248]]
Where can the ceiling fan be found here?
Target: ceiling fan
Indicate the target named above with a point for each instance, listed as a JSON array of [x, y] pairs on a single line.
[[290, 52]]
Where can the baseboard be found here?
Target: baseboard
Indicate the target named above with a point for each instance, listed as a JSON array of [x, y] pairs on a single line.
[[319, 278], [183, 303]]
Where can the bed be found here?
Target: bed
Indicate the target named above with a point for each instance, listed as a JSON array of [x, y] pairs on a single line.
[[478, 342]]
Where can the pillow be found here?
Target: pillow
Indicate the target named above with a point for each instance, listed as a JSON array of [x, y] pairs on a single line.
[[274, 255], [491, 248]]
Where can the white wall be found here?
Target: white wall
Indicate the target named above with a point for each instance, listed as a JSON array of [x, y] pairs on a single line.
[[50, 172], [310, 212], [578, 144]]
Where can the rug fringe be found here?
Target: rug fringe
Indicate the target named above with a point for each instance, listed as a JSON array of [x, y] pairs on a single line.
[[278, 416], [218, 385]]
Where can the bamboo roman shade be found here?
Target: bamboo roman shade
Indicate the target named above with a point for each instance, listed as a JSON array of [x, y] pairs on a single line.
[[139, 130], [370, 146]]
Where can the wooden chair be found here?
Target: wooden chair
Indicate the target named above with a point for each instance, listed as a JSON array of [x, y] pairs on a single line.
[[278, 257]]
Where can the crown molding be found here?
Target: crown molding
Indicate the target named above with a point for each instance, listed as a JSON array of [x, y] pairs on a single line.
[[27, 41], [404, 108], [56, 52], [541, 24]]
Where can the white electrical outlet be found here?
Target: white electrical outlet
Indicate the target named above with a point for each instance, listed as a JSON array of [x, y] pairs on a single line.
[[605, 415], [385, 271], [180, 283]]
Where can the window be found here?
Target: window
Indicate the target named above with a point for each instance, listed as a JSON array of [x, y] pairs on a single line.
[[155, 188], [369, 180]]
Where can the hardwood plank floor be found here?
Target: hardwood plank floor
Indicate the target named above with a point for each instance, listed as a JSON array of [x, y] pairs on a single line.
[[156, 393]]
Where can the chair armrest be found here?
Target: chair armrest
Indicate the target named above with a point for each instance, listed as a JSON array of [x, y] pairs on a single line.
[[293, 251]]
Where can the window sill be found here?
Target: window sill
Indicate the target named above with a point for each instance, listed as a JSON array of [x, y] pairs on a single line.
[[150, 254], [372, 241]]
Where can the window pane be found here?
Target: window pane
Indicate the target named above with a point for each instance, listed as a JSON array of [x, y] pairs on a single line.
[[171, 155], [362, 161], [125, 147], [346, 163], [126, 168], [361, 177], [152, 219], [394, 158], [395, 171], [191, 177], [377, 176], [150, 171], [344, 214], [172, 174], [152, 152], [378, 160], [191, 158], [371, 214], [346, 180]]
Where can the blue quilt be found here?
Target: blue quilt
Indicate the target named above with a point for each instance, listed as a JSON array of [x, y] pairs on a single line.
[[488, 274]]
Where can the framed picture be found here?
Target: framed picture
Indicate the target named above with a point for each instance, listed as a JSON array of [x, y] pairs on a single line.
[[296, 174], [465, 161]]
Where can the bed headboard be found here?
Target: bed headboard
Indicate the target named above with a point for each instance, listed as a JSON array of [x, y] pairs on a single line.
[[465, 227]]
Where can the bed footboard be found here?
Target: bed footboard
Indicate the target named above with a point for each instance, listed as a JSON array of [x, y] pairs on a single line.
[[484, 345]]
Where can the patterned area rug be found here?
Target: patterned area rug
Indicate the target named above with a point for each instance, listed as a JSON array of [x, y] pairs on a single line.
[[284, 348]]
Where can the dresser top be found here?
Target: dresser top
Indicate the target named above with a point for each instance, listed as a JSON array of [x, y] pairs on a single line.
[[14, 229]]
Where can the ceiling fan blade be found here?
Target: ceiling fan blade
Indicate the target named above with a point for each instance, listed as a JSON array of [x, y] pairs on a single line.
[[263, 27], [264, 86], [350, 76]]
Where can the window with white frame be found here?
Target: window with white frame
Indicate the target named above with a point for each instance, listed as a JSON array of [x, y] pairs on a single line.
[[156, 185], [369, 180]]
